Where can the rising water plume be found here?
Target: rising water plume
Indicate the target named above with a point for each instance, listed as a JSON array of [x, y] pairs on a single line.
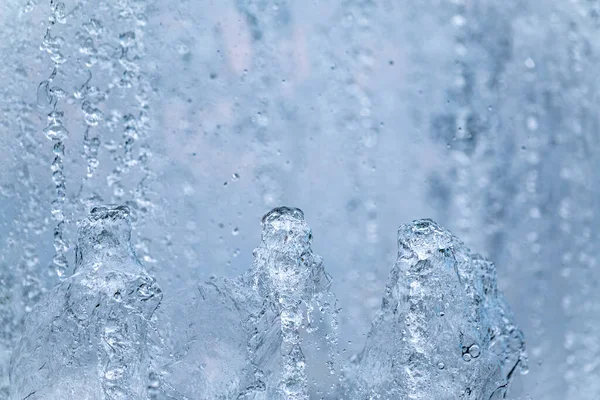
[[106, 332]]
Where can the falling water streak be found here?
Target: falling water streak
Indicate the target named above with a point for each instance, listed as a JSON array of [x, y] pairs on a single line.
[[463, 82], [580, 306], [269, 29], [533, 201], [141, 200], [574, 260], [91, 97], [131, 50], [135, 125], [360, 119], [460, 128], [538, 195], [21, 287], [56, 131], [350, 69], [32, 222], [466, 125], [123, 163]]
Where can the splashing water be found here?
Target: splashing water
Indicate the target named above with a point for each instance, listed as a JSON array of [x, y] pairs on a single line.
[[87, 338], [247, 332], [486, 123], [443, 328], [289, 276]]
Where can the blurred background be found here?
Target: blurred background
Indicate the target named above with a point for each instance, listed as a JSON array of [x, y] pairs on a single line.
[[204, 115]]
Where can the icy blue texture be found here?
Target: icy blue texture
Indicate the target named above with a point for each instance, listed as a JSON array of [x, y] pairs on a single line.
[[201, 116]]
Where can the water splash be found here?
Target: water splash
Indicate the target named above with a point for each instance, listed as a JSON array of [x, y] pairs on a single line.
[[248, 332], [87, 338], [289, 275], [443, 330]]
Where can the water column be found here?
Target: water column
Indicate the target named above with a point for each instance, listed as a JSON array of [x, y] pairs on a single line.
[[87, 339]]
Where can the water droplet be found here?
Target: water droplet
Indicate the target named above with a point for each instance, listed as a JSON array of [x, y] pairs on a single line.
[[529, 63], [474, 351], [91, 114], [56, 131], [459, 20], [532, 123]]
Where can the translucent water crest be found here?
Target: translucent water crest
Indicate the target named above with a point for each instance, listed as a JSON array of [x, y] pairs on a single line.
[[245, 341], [444, 330], [289, 276], [87, 338]]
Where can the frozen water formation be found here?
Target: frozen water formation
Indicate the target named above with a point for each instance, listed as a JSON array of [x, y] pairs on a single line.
[[444, 330], [241, 338], [86, 339]]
